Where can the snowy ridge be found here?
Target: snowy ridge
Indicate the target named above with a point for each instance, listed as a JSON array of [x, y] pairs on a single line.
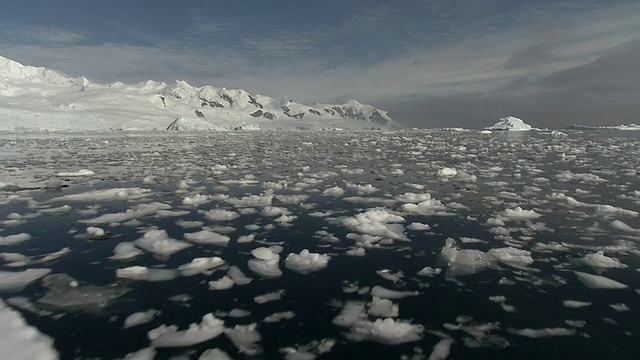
[[38, 99], [605, 127]]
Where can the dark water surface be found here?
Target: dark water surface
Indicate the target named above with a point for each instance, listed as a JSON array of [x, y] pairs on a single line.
[[578, 187]]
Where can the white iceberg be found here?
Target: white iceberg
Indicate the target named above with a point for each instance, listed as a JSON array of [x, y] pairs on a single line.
[[510, 123]]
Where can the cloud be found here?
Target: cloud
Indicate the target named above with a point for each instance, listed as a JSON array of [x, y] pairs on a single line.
[[45, 35], [604, 91]]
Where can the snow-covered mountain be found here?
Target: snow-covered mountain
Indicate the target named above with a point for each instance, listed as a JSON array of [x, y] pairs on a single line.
[[35, 98], [510, 123], [605, 127]]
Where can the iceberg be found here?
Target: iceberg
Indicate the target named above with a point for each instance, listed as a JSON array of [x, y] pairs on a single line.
[[510, 123]]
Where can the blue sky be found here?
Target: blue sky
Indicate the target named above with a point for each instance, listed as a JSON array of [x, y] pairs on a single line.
[[430, 63]]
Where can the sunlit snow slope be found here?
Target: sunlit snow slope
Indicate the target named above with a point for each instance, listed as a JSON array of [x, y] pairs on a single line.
[[38, 99]]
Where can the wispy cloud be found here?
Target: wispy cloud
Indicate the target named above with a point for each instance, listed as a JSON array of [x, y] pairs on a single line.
[[44, 35]]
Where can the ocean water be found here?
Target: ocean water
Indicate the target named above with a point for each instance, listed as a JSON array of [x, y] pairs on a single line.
[[563, 206]]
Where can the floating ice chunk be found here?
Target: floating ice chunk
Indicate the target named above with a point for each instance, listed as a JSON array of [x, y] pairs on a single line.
[[464, 262], [413, 198], [333, 191], [265, 268], [388, 275], [11, 281], [350, 313], [158, 242], [361, 189], [384, 293], [447, 172], [139, 318], [143, 273], [308, 351], [105, 195], [384, 308], [377, 222], [503, 303], [427, 207], [620, 307], [171, 213], [356, 252], [279, 316], [387, 331], [169, 336], [245, 338], [200, 265], [268, 297], [285, 220], [600, 260], [196, 200], [21, 341], [541, 333], [136, 212], [519, 214], [239, 313], [83, 172], [223, 283], [598, 282], [189, 224], [264, 253], [296, 199], [306, 262], [619, 225], [95, 232], [221, 215], [443, 347], [575, 304], [512, 256], [429, 271], [14, 239], [609, 210], [237, 276], [207, 237], [416, 226], [214, 354], [148, 353], [65, 293], [252, 201], [125, 251], [15, 259]]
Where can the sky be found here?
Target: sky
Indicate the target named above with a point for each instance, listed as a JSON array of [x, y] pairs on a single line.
[[429, 63]]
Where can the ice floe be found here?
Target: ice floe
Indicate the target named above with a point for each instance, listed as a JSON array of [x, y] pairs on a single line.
[[139, 318], [158, 242], [385, 331], [13, 281], [306, 262], [169, 336], [20, 340], [598, 282], [200, 265], [65, 293]]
